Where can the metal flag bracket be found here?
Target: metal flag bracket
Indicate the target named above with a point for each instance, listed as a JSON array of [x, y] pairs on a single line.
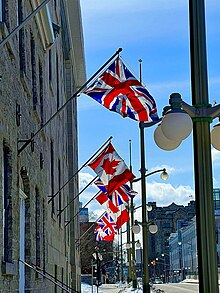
[[26, 142]]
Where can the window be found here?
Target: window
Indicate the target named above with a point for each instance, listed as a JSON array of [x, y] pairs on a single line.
[[58, 80], [33, 71], [21, 38], [4, 17], [50, 65], [7, 205], [52, 174], [41, 93], [44, 237], [1, 10], [59, 195], [37, 227], [62, 279], [55, 279]]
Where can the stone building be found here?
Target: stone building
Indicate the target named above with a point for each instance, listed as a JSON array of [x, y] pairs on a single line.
[[167, 219], [41, 67]]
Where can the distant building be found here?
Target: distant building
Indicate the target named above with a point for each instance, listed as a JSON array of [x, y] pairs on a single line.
[[167, 219], [83, 213], [87, 245], [183, 252], [183, 245]]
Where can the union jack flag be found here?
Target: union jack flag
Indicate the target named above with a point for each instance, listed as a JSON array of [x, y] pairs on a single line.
[[119, 196], [107, 224], [102, 236], [119, 91]]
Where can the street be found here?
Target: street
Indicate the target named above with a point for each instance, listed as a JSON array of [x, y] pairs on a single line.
[[178, 287]]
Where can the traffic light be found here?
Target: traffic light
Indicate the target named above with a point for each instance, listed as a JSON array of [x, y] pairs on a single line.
[[153, 262]]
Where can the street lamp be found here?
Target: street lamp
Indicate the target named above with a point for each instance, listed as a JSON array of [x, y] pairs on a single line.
[[152, 228], [164, 176], [202, 114], [145, 228]]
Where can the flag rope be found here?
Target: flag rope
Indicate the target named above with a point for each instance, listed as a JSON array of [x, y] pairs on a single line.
[[67, 102]]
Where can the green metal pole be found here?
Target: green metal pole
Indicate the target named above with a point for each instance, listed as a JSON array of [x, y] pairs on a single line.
[[146, 285], [134, 279], [121, 256], [133, 270], [129, 251], [206, 241]]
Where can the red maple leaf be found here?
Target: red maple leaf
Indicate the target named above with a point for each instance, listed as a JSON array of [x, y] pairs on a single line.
[[109, 166]]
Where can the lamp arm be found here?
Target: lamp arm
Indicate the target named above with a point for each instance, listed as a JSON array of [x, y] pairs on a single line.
[[190, 110], [195, 112], [214, 111], [151, 173]]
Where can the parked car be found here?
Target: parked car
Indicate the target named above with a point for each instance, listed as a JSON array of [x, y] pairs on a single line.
[[158, 281]]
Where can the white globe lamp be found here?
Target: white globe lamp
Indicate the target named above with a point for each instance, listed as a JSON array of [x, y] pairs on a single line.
[[163, 142], [153, 228], [215, 136], [136, 229], [176, 125]]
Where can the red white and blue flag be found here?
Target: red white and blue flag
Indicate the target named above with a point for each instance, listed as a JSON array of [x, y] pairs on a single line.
[[111, 169], [120, 196], [119, 91], [102, 236], [107, 224]]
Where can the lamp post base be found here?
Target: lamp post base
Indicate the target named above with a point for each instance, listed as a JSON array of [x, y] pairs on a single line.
[[146, 288]]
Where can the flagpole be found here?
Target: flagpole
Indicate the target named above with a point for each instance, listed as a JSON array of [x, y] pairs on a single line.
[[21, 25], [134, 279], [86, 163], [99, 192], [61, 211], [129, 226], [69, 100], [146, 285], [49, 279]]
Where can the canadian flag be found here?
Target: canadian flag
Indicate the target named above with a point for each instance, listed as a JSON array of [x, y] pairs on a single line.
[[122, 216], [111, 169], [106, 203]]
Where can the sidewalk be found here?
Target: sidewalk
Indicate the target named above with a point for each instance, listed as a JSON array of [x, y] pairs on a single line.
[[110, 288], [118, 288]]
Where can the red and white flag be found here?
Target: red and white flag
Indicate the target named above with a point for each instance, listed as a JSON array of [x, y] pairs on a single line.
[[122, 216], [111, 169], [106, 203]]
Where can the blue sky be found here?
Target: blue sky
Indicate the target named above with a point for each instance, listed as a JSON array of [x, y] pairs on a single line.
[[157, 33]]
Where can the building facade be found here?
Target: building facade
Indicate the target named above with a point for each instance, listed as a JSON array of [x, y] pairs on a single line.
[[83, 213], [167, 219], [41, 67], [183, 246]]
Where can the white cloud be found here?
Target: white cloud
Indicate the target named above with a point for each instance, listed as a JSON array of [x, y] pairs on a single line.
[[169, 169], [164, 193]]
